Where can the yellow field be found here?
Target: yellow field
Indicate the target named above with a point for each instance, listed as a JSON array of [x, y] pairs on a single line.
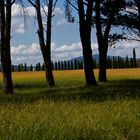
[[111, 73]]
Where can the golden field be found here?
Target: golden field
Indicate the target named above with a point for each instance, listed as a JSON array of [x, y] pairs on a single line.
[[112, 74]]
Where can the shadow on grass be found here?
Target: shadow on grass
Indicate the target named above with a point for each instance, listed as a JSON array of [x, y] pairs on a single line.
[[112, 90]]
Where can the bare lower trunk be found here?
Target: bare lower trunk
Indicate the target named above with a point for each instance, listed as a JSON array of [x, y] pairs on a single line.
[[5, 46], [7, 76], [102, 66], [88, 65], [49, 73]]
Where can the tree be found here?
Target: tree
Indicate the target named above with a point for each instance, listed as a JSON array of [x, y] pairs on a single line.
[[31, 68], [68, 65], [59, 65], [65, 65], [43, 67], [115, 64], [55, 65], [19, 68], [75, 64], [71, 65], [129, 19], [5, 28], [45, 43], [25, 66], [127, 62], [62, 65], [38, 67], [131, 63], [85, 12], [134, 58], [105, 13]]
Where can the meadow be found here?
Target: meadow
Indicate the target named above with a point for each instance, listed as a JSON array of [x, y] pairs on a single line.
[[71, 111]]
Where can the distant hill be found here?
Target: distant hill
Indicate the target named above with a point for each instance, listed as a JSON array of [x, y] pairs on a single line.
[[95, 57]]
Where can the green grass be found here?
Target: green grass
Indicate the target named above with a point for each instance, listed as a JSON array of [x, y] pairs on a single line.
[[71, 111]]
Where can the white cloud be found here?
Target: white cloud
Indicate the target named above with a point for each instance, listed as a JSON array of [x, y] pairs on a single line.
[[29, 12], [32, 54], [18, 10], [20, 29], [62, 22], [124, 48]]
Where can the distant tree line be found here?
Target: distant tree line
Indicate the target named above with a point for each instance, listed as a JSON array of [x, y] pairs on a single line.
[[112, 63]]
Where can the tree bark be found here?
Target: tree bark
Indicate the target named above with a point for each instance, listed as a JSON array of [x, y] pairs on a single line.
[[102, 62], [5, 46], [88, 63]]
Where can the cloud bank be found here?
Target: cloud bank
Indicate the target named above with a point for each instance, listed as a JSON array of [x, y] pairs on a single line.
[[31, 54]]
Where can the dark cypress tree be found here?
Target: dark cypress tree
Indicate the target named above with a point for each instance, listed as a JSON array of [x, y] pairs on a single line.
[[59, 65], [115, 65], [65, 65], [118, 63], [55, 65], [31, 68], [134, 58], [25, 67], [19, 68], [68, 65], [62, 65], [75, 64], [43, 67], [36, 67], [39, 66], [131, 63], [12, 68], [81, 64], [78, 64], [127, 62], [71, 65], [109, 63]]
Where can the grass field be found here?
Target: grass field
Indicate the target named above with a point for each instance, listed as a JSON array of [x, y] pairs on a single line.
[[71, 111]]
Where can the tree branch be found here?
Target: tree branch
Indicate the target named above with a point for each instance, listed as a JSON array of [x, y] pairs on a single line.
[[33, 4]]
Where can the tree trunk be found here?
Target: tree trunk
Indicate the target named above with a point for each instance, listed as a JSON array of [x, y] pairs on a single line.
[[85, 23], [46, 48], [5, 47], [6, 72], [102, 63], [138, 3], [49, 73], [88, 63]]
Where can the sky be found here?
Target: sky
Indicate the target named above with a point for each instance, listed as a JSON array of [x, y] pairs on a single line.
[[65, 38]]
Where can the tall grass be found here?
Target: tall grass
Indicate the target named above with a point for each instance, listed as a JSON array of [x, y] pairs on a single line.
[[110, 111]]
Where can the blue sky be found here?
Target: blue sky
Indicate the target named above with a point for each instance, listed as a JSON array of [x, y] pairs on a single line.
[[65, 38]]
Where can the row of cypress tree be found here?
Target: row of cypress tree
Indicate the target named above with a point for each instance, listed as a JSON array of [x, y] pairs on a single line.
[[112, 62]]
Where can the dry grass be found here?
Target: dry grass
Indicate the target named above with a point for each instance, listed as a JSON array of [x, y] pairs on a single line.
[[112, 74], [72, 111]]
